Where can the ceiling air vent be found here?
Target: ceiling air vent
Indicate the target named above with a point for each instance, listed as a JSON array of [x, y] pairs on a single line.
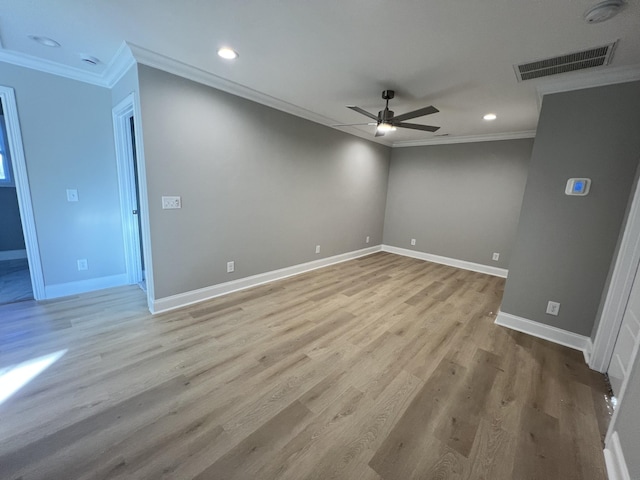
[[594, 57]]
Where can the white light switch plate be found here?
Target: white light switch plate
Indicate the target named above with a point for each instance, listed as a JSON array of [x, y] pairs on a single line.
[[72, 195], [169, 203]]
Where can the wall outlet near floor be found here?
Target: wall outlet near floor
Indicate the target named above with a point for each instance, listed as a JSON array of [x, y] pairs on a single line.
[[553, 308], [317, 248], [496, 256], [231, 267], [413, 241], [171, 203], [367, 240], [82, 264]]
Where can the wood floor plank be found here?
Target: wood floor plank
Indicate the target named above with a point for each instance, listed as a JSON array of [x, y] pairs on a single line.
[[380, 368]]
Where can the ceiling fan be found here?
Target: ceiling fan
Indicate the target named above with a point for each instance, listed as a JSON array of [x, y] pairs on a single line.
[[385, 121]]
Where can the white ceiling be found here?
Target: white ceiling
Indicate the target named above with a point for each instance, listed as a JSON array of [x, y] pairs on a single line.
[[316, 57]]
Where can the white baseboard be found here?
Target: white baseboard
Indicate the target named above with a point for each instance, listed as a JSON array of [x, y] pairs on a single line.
[[614, 459], [83, 286], [13, 255], [188, 298], [452, 262], [546, 332]]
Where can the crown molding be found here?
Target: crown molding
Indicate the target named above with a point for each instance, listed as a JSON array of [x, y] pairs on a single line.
[[120, 64], [176, 67], [47, 66], [588, 79], [494, 137]]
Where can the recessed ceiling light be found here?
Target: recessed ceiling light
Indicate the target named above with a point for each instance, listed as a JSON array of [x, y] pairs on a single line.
[[490, 116], [46, 41], [228, 53]]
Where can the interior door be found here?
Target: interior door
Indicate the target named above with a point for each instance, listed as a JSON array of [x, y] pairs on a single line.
[[627, 343]]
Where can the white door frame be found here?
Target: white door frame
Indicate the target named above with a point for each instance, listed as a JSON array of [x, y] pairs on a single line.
[[127, 108], [19, 166], [624, 271]]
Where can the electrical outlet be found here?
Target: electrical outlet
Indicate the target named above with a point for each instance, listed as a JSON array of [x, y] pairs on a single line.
[[553, 308], [231, 267], [171, 203], [367, 240], [317, 248], [413, 241], [72, 195], [82, 264], [496, 256]]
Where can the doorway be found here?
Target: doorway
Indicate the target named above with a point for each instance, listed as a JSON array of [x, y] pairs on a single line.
[[132, 193], [20, 268], [15, 280]]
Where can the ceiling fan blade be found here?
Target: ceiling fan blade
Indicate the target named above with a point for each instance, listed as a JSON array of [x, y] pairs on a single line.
[[415, 126], [379, 133], [417, 113], [352, 124], [363, 112]]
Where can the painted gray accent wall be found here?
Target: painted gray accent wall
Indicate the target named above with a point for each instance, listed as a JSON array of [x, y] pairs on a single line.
[[258, 186], [10, 227], [564, 245], [460, 201], [628, 422], [68, 142]]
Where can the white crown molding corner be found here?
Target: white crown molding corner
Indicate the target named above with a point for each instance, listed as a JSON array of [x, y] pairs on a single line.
[[120, 64], [614, 459], [83, 286], [176, 67], [545, 332], [180, 300], [47, 66], [451, 262], [588, 79], [495, 137]]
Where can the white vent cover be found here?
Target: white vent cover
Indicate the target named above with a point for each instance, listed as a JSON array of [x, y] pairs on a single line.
[[594, 57]]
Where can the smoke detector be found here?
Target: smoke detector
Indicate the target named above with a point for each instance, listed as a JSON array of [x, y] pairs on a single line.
[[603, 11]]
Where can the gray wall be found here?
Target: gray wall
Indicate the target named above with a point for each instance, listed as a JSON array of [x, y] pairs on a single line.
[[10, 227], [258, 186], [460, 201], [127, 84], [628, 422], [68, 142], [564, 245]]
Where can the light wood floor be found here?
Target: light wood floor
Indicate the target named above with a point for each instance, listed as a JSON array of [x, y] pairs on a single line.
[[383, 367]]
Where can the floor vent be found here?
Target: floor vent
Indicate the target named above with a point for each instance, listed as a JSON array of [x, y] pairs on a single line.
[[594, 57]]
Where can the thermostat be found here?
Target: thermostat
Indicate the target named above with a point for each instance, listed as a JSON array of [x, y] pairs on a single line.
[[578, 186]]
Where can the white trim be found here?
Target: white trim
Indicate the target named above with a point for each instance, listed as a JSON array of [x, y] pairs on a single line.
[[588, 79], [19, 165], [546, 332], [615, 303], [452, 262], [614, 458], [494, 137], [13, 255], [176, 67], [83, 286], [127, 186], [195, 296], [119, 65], [47, 66]]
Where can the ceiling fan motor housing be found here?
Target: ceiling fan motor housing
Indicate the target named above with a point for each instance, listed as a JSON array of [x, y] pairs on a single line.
[[385, 116]]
